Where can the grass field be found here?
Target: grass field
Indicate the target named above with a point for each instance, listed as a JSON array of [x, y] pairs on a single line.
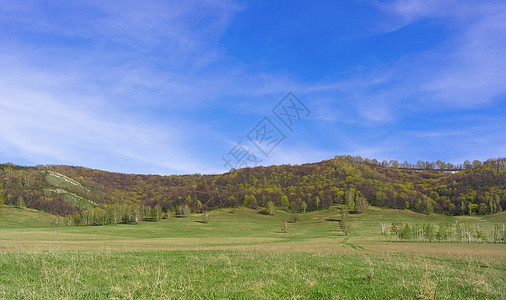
[[244, 255]]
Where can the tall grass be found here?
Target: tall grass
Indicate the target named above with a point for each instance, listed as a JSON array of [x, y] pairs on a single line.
[[245, 275], [243, 256]]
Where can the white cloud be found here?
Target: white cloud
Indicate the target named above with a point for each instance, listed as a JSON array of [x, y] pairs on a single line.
[[93, 101]]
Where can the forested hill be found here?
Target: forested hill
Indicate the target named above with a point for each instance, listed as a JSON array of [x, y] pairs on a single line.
[[473, 188]]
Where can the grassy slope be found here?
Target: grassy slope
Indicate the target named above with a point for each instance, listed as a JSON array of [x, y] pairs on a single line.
[[243, 255], [13, 217]]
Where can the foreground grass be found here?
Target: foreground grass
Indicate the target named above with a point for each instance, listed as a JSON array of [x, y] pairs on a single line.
[[245, 275], [243, 256]]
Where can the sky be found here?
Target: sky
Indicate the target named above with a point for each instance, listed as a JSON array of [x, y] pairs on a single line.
[[184, 87]]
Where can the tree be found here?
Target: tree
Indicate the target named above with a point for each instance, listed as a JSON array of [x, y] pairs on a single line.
[[56, 221], [77, 218], [198, 206], [394, 164], [476, 163], [344, 224], [406, 233], [270, 208], [285, 203], [183, 210], [205, 217], [232, 201], [67, 220], [253, 202], [441, 165], [157, 212], [396, 227], [2, 202], [245, 200], [429, 207], [304, 206], [429, 232], [350, 198], [138, 215], [21, 202], [284, 227], [443, 233], [483, 209], [360, 203], [467, 164]]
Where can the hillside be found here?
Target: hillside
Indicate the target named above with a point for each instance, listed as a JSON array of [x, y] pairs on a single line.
[[15, 217], [426, 187]]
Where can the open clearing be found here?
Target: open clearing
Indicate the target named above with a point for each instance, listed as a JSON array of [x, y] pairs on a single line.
[[244, 255]]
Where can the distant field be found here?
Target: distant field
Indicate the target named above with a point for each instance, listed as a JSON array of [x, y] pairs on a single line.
[[244, 255]]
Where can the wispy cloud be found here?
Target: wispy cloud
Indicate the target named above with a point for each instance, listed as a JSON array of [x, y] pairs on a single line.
[[118, 84]]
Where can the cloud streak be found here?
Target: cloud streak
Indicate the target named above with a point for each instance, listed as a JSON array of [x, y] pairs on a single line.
[[149, 88]]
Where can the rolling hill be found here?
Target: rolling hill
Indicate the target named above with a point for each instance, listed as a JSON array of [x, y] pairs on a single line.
[[65, 190]]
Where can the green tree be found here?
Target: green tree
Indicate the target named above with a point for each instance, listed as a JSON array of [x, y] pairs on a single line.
[[381, 198], [406, 233], [198, 206], [350, 198], [245, 200], [270, 208], [429, 205], [360, 203], [77, 218], [317, 201], [285, 203], [2, 201], [183, 210], [429, 232], [304, 206], [344, 223], [157, 212], [482, 209]]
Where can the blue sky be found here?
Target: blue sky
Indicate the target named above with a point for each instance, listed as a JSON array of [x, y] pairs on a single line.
[[171, 87]]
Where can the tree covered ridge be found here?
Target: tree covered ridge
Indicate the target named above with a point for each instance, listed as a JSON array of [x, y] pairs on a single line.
[[470, 188]]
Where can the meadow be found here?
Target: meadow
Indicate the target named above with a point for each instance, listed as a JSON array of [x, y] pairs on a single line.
[[241, 254]]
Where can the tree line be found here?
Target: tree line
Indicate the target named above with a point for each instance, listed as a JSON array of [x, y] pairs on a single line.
[[297, 188], [445, 233], [117, 214], [420, 164]]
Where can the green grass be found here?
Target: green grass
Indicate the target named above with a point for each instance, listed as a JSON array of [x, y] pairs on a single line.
[[243, 255], [21, 218], [244, 275]]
